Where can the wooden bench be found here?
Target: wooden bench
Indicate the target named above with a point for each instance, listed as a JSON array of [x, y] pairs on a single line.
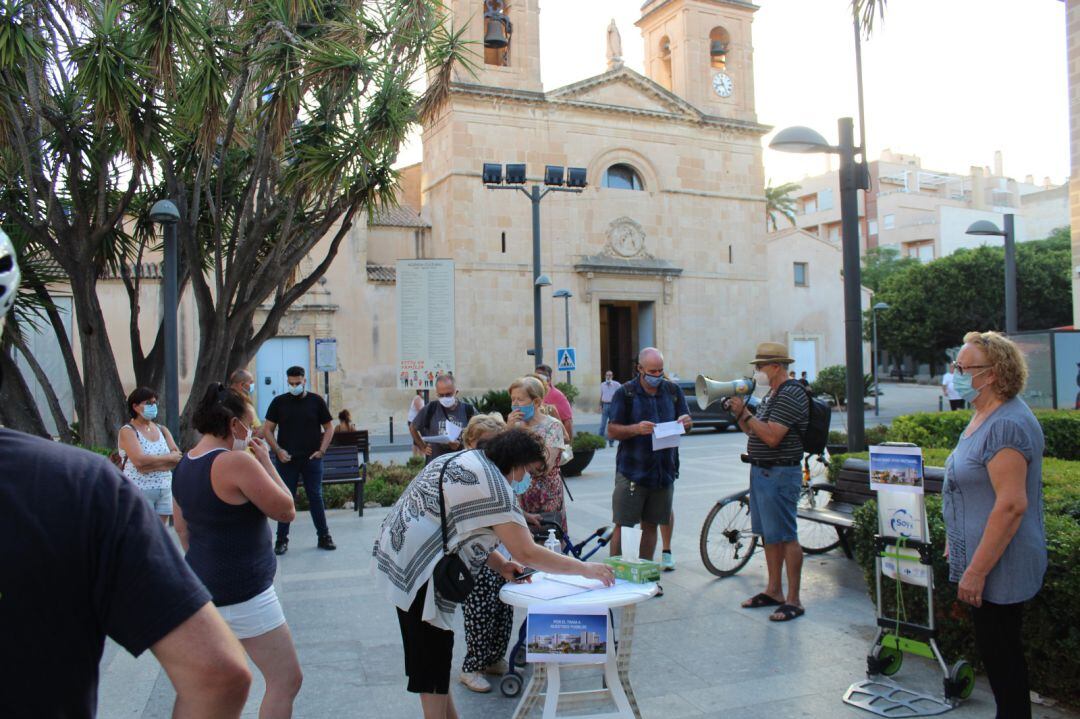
[[346, 462], [851, 491]]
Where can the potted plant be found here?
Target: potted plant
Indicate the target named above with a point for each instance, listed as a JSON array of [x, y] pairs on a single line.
[[585, 445]]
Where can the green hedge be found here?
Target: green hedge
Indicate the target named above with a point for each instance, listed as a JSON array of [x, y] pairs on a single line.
[[1061, 429], [584, 441], [1052, 634], [385, 484]]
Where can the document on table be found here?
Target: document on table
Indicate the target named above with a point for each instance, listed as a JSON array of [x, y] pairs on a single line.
[[547, 588], [666, 435]]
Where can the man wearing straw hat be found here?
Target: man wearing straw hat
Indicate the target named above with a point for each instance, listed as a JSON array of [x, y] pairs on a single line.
[[775, 453]]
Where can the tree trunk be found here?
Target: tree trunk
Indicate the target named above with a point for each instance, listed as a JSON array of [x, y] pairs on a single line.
[[78, 392], [17, 407], [62, 427], [104, 393]]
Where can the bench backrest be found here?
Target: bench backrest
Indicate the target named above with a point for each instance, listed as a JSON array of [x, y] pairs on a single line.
[[341, 462], [358, 439], [853, 482]]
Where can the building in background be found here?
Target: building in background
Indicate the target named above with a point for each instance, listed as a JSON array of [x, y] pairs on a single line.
[[925, 213]]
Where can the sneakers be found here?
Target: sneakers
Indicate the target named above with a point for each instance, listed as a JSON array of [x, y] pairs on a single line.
[[475, 681], [281, 546], [498, 668], [659, 590], [327, 542], [667, 562]]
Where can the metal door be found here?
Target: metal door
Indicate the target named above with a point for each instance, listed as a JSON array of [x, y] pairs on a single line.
[[274, 357]]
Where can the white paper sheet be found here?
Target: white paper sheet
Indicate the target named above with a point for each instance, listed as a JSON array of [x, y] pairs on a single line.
[[437, 439], [666, 435], [546, 589], [453, 431]]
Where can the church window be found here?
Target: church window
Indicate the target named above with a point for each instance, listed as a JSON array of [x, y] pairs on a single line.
[[719, 45], [623, 177], [801, 274], [498, 31]]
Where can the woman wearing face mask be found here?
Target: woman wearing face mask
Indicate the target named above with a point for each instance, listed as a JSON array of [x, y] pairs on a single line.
[[480, 515], [224, 495], [543, 499], [148, 452], [488, 621], [993, 508]]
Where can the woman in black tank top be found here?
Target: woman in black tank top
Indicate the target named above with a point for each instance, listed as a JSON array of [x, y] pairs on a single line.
[[224, 489]]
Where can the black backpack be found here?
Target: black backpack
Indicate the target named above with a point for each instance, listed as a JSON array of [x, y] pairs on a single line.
[[816, 435]]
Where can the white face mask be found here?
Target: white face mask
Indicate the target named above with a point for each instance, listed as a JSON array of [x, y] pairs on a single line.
[[761, 379], [447, 402], [241, 444]]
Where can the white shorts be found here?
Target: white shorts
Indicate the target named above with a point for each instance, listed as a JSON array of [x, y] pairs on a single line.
[[255, 617]]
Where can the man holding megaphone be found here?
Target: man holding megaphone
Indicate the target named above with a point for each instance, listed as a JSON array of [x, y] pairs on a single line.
[[775, 453]]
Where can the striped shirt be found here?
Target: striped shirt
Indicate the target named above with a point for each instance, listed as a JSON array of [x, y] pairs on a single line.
[[790, 407]]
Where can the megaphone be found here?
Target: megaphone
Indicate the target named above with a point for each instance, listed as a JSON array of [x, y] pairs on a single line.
[[708, 390]]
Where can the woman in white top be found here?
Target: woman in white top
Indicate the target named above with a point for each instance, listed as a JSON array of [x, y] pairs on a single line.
[[415, 406], [148, 452]]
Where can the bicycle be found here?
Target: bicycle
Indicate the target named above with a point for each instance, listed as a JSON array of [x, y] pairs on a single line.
[[727, 542]]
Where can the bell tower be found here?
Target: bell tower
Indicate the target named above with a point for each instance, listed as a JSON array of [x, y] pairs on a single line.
[[506, 36], [701, 50]]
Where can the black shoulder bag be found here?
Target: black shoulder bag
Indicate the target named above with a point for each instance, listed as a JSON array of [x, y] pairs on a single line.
[[453, 580]]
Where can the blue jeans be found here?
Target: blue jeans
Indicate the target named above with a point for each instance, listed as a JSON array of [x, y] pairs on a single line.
[[774, 498], [605, 411], [311, 471]]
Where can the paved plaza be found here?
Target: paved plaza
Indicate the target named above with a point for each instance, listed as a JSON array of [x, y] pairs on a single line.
[[696, 653]]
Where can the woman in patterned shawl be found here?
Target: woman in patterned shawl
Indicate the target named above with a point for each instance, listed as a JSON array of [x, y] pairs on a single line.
[[480, 514]]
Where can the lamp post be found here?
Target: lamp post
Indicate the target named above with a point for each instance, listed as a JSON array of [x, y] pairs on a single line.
[[164, 213], [553, 180], [852, 179], [986, 227], [877, 359], [566, 295]]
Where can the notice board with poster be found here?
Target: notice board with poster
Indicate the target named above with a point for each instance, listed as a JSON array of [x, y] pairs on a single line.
[[425, 322], [896, 474]]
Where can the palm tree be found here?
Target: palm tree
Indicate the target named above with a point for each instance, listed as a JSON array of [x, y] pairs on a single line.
[[778, 200]]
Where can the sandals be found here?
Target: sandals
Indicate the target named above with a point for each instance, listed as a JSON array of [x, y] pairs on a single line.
[[760, 600], [787, 612]]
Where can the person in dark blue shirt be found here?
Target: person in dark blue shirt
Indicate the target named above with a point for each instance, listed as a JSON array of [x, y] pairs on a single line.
[[82, 557], [644, 477]]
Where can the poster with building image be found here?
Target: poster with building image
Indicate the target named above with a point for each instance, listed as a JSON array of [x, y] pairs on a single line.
[[896, 469], [425, 322], [566, 634]]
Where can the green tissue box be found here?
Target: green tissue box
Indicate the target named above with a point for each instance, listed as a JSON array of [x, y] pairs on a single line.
[[638, 571]]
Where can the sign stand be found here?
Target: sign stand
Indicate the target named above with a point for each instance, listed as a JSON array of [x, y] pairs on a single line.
[[904, 554], [326, 361]]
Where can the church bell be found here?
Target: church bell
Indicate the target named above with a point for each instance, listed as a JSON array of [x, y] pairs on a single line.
[[497, 30], [718, 49]]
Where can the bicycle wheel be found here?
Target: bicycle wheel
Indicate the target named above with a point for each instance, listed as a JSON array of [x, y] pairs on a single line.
[[815, 537], [726, 540]]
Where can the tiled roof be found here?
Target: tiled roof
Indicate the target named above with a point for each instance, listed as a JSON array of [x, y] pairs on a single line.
[[403, 216], [381, 273]]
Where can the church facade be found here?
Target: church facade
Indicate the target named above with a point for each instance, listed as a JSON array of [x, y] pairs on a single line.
[[666, 246]]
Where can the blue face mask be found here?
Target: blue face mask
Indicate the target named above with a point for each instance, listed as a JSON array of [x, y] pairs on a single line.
[[962, 385], [522, 486], [652, 381], [296, 389], [150, 412], [527, 411]]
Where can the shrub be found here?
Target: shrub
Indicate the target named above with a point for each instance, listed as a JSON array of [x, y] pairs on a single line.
[[1061, 428], [385, 484], [874, 435], [832, 381], [569, 390], [1052, 636], [494, 400], [584, 441]]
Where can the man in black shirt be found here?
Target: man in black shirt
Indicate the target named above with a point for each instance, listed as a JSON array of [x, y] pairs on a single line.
[[775, 450], [82, 557], [304, 430], [435, 418]]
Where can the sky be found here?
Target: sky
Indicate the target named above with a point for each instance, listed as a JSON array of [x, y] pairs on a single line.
[[948, 80]]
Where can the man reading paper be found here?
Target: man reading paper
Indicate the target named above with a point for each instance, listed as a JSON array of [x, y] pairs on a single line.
[[644, 477]]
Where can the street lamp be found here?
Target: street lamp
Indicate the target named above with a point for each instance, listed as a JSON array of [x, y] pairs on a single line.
[[554, 178], [852, 179], [877, 359], [986, 227], [566, 295], [164, 213]]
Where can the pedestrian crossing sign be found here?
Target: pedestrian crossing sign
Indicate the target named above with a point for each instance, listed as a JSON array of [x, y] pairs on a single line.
[[566, 359]]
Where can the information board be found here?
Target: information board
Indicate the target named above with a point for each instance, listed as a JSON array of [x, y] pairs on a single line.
[[425, 322], [325, 354]]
